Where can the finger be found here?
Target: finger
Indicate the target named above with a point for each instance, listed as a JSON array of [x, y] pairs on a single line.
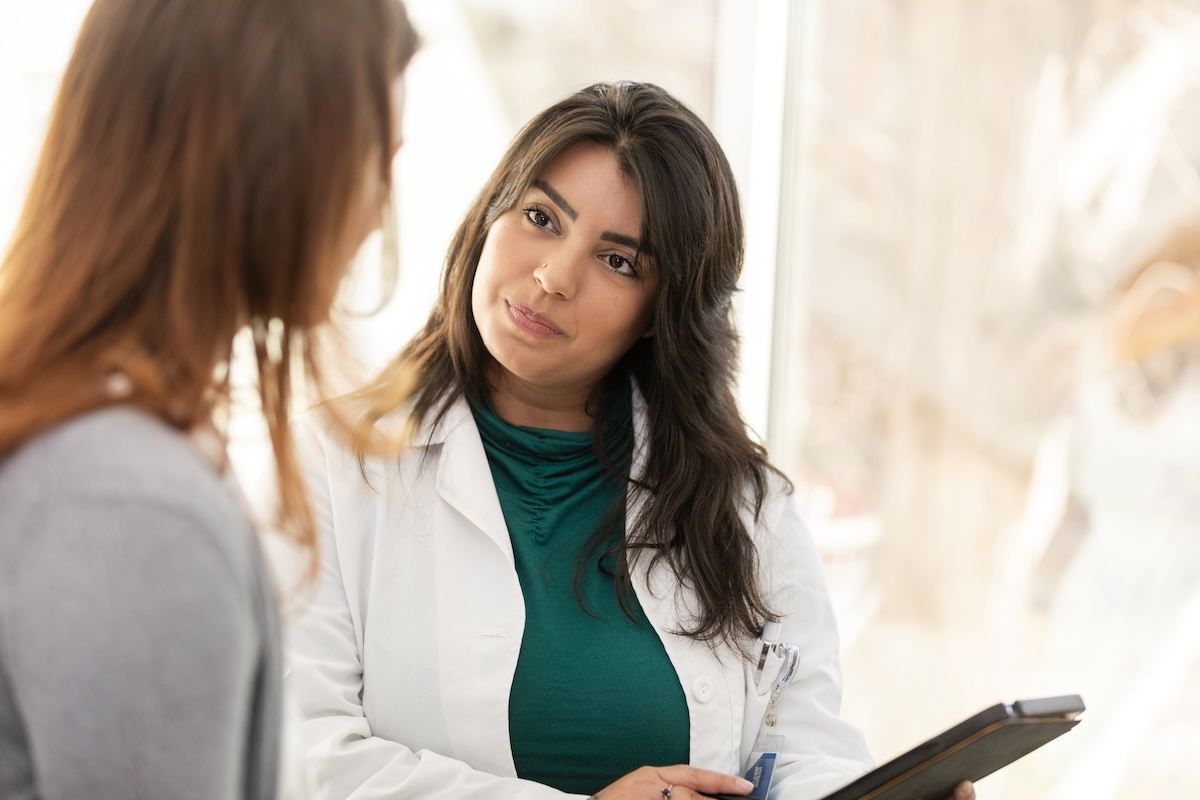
[[685, 793], [703, 780], [964, 791]]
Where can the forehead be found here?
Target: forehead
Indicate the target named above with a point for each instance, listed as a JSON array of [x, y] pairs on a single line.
[[589, 173]]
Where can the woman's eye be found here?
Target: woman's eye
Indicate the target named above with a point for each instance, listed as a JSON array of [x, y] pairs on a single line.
[[619, 263], [539, 218]]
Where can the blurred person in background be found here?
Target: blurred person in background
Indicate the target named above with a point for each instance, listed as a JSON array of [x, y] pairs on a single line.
[[559, 589], [209, 165], [1116, 583]]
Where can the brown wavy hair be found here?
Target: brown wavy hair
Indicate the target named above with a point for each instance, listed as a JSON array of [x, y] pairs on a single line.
[[201, 171], [702, 467]]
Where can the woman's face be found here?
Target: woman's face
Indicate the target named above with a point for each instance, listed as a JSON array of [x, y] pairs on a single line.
[[560, 294]]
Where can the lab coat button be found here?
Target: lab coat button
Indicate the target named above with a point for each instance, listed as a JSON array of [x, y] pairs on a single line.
[[702, 690]]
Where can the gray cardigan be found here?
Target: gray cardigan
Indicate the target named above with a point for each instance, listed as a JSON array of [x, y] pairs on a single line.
[[139, 637]]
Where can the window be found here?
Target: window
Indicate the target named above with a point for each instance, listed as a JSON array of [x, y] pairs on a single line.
[[987, 203]]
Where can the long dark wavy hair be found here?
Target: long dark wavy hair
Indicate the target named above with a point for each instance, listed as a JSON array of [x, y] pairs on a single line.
[[701, 466]]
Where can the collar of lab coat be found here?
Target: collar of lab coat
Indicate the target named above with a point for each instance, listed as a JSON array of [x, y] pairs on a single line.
[[464, 480], [464, 475]]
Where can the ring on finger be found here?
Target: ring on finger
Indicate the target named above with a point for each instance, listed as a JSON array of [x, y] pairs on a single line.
[[666, 793]]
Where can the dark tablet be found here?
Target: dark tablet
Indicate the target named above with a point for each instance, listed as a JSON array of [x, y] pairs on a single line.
[[972, 749]]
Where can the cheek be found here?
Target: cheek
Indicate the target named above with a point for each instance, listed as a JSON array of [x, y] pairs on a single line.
[[483, 289], [647, 315], [487, 273], [478, 303], [642, 323], [624, 320], [479, 284]]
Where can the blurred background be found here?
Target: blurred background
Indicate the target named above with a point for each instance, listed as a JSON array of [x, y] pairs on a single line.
[[970, 317]]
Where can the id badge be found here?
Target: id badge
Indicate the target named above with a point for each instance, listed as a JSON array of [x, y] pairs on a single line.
[[762, 765]]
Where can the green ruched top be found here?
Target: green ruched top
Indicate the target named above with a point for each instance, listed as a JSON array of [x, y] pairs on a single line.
[[594, 695]]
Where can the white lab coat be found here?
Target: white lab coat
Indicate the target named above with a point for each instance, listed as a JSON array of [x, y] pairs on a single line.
[[402, 664]]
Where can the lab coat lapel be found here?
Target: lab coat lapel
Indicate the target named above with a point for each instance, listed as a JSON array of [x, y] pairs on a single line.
[[478, 594], [464, 479]]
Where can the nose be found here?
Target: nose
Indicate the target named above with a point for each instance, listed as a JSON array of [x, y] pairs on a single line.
[[557, 277]]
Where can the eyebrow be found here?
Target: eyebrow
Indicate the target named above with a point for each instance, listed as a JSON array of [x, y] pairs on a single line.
[[560, 201], [557, 198], [621, 238]]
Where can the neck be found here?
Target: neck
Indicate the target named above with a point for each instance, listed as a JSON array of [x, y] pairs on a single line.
[[539, 407]]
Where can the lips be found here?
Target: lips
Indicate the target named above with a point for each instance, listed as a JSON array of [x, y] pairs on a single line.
[[531, 321]]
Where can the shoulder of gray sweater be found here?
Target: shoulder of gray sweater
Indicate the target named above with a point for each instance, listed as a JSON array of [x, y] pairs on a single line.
[[123, 455]]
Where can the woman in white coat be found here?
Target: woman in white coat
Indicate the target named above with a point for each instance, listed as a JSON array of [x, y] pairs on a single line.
[[565, 579]]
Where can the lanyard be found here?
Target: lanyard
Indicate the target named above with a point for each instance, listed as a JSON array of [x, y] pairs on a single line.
[[774, 672]]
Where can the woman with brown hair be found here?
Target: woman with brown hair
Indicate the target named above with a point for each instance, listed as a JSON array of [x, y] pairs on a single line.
[[567, 578], [209, 165]]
